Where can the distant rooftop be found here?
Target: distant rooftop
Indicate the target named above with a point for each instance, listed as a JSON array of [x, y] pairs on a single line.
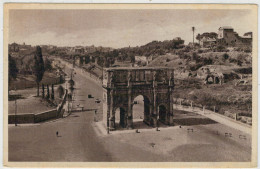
[[226, 27], [137, 68]]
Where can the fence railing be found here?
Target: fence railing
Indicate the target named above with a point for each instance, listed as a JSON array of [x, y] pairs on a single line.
[[185, 103]]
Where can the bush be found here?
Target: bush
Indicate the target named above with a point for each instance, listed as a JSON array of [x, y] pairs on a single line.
[[177, 95], [248, 50], [200, 51], [225, 57], [184, 56], [198, 87], [244, 114], [187, 49], [193, 97], [196, 67], [240, 59], [244, 49], [232, 60], [207, 99], [195, 57], [207, 61], [239, 63], [220, 48]]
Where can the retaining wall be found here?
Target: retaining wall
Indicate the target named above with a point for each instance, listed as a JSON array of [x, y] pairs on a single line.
[[39, 117], [33, 118], [21, 118]]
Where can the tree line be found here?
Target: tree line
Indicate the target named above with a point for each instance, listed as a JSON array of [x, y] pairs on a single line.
[[39, 67]]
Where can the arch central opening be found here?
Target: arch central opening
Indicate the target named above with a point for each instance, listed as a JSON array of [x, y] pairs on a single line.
[[141, 111]]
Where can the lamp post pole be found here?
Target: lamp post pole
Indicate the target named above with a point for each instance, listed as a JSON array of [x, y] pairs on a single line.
[[15, 116], [15, 112]]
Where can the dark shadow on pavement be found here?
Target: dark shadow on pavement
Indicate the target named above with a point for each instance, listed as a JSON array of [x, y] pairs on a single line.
[[141, 125], [74, 116], [15, 97], [193, 121]]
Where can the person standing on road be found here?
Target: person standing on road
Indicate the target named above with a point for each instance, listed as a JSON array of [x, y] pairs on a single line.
[[95, 119]]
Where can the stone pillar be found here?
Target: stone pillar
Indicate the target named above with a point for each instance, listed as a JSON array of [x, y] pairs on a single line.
[[149, 119], [109, 100], [129, 108], [112, 123], [170, 97], [108, 109], [147, 111], [155, 111], [111, 113]]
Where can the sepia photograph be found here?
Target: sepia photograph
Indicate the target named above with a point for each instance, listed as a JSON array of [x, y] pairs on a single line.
[[130, 83]]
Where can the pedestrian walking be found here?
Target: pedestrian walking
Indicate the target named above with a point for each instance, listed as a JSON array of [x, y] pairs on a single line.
[[95, 116], [57, 133]]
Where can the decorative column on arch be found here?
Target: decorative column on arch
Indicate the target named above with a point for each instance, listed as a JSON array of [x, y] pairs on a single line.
[[129, 107], [154, 115], [170, 97], [110, 113]]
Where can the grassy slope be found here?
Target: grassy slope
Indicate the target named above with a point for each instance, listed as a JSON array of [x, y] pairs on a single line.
[[28, 81], [226, 97]]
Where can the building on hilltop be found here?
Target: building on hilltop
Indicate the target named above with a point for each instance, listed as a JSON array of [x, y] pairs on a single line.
[[79, 50], [14, 47], [25, 46], [248, 34], [208, 42], [142, 60], [228, 37]]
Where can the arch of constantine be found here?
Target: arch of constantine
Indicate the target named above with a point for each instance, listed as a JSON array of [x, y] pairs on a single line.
[[122, 84]]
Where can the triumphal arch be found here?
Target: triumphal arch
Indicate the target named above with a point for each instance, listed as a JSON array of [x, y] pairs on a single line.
[[122, 84]]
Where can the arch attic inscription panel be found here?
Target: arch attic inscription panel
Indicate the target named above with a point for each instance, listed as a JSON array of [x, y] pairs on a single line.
[[122, 84]]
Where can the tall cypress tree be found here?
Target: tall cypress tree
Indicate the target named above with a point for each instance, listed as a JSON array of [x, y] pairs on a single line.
[[52, 92], [60, 91], [48, 92], [38, 67], [43, 93], [12, 69]]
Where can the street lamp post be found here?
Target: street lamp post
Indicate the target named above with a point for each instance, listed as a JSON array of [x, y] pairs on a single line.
[[15, 113], [15, 116]]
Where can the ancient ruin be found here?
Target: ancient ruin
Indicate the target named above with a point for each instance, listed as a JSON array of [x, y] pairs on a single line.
[[122, 85]]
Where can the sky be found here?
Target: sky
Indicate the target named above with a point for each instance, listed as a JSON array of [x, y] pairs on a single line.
[[119, 28]]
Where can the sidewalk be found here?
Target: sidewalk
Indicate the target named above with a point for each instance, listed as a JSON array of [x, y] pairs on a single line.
[[102, 130], [82, 72], [218, 118]]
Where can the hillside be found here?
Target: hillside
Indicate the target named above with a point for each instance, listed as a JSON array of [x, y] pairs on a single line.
[[192, 69]]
